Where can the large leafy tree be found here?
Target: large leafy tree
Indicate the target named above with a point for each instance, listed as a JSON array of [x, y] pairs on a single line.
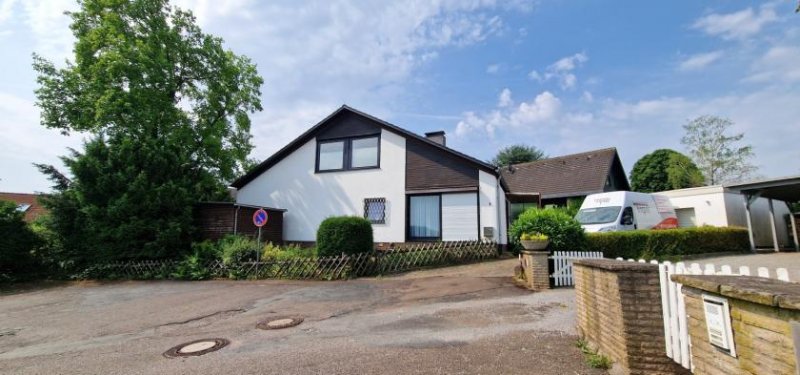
[[516, 154], [664, 169], [167, 110], [719, 155]]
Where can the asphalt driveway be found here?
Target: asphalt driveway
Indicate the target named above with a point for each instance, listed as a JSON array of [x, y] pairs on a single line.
[[463, 320]]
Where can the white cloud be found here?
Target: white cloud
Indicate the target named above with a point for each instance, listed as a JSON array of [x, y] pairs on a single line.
[[587, 97], [561, 70], [543, 108], [779, 64], [569, 63], [25, 142], [504, 100], [493, 68], [737, 25], [699, 61]]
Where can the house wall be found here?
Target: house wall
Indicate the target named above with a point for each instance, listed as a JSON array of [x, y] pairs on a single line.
[[310, 197], [492, 206]]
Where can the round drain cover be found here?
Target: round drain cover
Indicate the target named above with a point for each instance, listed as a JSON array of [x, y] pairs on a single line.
[[280, 322], [196, 348]]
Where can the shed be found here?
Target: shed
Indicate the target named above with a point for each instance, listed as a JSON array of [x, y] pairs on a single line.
[[218, 219]]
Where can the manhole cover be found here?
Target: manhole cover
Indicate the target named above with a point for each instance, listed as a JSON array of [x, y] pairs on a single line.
[[280, 322], [196, 348]]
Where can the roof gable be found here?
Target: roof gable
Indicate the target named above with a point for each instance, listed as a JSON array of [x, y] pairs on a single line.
[[357, 121], [569, 175]]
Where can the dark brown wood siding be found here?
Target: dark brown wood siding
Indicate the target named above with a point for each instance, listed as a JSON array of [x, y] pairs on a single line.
[[215, 220], [428, 167], [347, 124]]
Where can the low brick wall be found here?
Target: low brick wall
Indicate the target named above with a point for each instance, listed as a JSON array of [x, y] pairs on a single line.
[[619, 313], [761, 313]]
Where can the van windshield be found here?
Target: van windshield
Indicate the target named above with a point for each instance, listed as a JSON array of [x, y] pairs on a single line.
[[598, 215]]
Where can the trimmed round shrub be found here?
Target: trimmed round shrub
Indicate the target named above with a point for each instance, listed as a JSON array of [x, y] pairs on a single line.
[[344, 234], [564, 232]]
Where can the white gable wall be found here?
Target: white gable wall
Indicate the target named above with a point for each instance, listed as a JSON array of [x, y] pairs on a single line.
[[311, 197]]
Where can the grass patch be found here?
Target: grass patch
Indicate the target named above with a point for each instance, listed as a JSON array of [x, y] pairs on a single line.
[[593, 359]]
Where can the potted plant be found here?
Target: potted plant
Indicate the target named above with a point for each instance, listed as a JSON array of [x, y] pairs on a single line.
[[534, 241]]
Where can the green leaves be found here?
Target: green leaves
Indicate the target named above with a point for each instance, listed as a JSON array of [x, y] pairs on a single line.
[[516, 154], [167, 108], [718, 155], [664, 169]]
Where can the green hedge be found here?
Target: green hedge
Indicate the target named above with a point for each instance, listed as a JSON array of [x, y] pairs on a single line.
[[670, 243], [344, 234]]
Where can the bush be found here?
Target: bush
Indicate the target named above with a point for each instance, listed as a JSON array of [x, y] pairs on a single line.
[[274, 252], [236, 249], [344, 234], [669, 243], [564, 232], [17, 241], [194, 266]]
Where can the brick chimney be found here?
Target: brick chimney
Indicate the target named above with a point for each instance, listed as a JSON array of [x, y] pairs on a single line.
[[437, 136]]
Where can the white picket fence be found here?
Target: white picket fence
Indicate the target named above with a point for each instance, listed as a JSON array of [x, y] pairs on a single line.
[[676, 333], [562, 265]]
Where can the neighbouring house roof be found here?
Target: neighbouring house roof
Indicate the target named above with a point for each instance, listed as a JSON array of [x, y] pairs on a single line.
[[28, 203], [566, 176], [311, 133]]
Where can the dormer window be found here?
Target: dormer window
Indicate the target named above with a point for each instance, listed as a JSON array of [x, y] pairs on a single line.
[[348, 154]]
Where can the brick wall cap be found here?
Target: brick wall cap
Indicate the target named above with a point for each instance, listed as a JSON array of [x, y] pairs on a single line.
[[616, 265], [534, 252], [761, 290]]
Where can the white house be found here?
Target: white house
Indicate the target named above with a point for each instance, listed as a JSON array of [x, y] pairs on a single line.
[[412, 188], [721, 206]]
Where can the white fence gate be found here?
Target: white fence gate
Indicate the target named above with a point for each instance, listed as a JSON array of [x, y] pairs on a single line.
[[562, 265], [676, 332]]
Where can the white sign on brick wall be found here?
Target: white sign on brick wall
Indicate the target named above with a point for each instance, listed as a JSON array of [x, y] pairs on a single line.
[[718, 323]]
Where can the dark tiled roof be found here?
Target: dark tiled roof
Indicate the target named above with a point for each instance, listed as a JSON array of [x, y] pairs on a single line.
[[564, 176], [34, 211], [311, 133]]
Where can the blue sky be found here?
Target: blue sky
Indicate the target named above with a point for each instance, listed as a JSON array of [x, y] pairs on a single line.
[[565, 76]]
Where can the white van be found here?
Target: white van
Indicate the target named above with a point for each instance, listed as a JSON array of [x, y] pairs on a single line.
[[626, 210]]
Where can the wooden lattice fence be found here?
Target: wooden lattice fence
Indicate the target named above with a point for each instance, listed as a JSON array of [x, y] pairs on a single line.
[[401, 259]]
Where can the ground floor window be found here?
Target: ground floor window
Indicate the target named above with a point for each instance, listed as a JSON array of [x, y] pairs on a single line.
[[424, 221], [375, 210]]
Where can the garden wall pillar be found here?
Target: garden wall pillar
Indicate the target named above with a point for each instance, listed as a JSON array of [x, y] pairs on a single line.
[[764, 319], [536, 269]]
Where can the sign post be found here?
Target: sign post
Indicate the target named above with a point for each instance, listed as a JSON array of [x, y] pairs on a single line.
[[260, 218]]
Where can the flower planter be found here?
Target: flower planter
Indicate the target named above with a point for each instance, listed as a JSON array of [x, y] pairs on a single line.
[[535, 244]]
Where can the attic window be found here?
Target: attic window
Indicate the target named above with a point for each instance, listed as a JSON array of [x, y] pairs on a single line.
[[375, 210], [23, 207], [348, 154]]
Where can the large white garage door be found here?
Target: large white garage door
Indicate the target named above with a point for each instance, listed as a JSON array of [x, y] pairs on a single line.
[[459, 217]]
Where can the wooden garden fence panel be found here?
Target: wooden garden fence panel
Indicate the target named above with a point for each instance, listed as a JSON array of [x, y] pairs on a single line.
[[401, 259]]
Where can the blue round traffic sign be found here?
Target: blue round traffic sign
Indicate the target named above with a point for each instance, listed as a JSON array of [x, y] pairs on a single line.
[[260, 217]]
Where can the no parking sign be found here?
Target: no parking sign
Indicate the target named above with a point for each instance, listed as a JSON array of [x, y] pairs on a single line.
[[260, 218]]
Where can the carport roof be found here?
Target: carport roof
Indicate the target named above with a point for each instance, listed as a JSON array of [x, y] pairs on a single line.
[[786, 189]]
